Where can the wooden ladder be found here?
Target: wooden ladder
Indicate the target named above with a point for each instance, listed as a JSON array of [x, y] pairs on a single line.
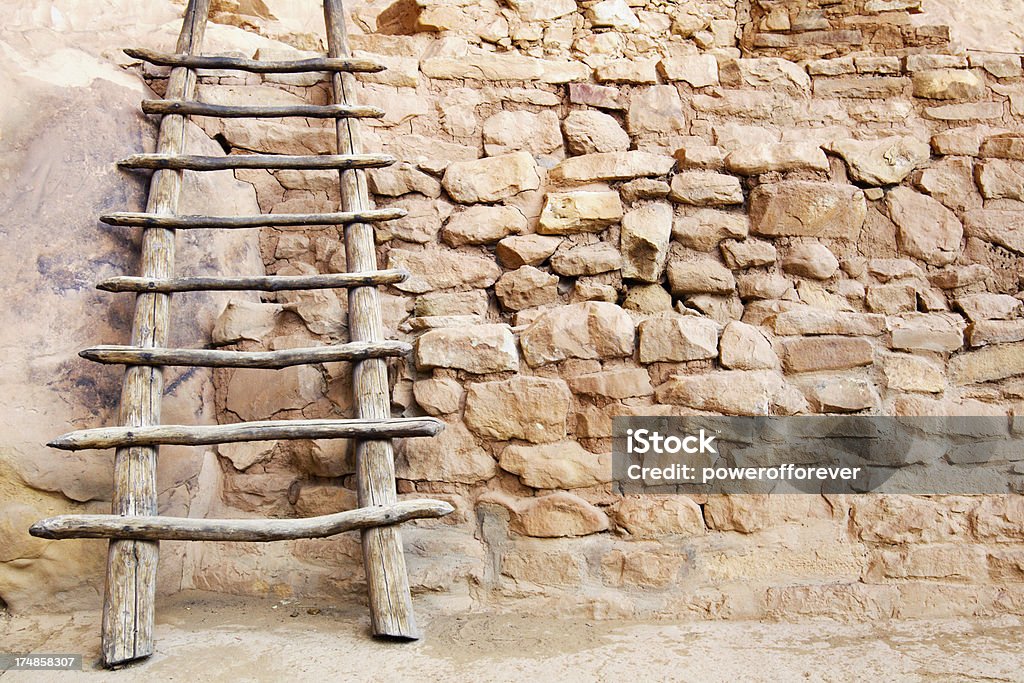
[[134, 527]]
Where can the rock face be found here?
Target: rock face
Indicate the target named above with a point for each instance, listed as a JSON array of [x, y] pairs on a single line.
[[527, 408], [587, 330], [492, 179]]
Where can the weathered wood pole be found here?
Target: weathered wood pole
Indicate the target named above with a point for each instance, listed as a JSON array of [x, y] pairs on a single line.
[[130, 593], [391, 612]]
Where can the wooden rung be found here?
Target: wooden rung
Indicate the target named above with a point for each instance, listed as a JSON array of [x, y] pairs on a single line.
[[256, 65], [268, 430], [232, 111], [188, 162], [273, 360], [266, 220], [154, 528], [262, 283]]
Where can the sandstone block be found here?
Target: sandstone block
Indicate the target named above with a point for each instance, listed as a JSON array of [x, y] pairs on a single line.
[[810, 259], [816, 321], [767, 72], [246, 320], [483, 225], [644, 568], [948, 84], [526, 287], [778, 157], [438, 396], [654, 516], [528, 408], [512, 131], [644, 239], [678, 338], [941, 332], [1000, 179], [986, 332], [925, 228], [526, 250], [705, 188], [913, 373], [697, 70], [748, 253], [557, 515], [967, 112], [612, 166], [813, 354], [732, 392], [478, 349], [562, 465], [616, 384], [585, 330], [951, 181], [744, 347], [600, 96], [635, 71], [565, 213], [759, 285], [647, 299], [705, 276], [587, 259], [442, 269], [882, 162], [452, 456], [502, 67], [656, 109], [987, 306], [1004, 146], [542, 567], [589, 132], [845, 395], [251, 398], [1005, 228], [614, 14], [643, 188], [805, 208], [491, 179], [987, 364], [704, 229]]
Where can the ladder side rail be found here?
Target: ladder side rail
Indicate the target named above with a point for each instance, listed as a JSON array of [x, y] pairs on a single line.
[[387, 580], [130, 591]]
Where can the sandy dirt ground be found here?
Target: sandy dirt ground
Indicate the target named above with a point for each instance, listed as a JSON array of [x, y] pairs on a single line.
[[216, 638]]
